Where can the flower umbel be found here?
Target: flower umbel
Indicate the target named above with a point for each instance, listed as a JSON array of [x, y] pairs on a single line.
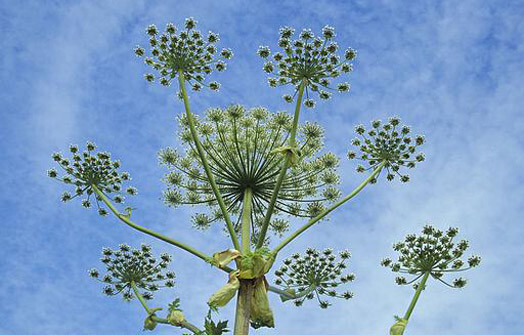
[[88, 169], [387, 143], [433, 251], [245, 149], [315, 274], [309, 59], [127, 267], [187, 51]]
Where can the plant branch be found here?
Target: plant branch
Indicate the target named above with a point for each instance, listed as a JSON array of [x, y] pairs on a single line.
[[125, 218], [285, 166], [328, 210], [202, 156], [141, 298], [416, 296]]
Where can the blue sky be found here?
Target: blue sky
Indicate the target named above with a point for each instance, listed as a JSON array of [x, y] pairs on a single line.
[[450, 69]]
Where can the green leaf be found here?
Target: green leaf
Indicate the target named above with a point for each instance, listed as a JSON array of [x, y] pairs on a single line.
[[212, 328], [175, 305]]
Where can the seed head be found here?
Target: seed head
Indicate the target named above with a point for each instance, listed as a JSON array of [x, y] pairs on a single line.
[[126, 266], [187, 51], [433, 251], [316, 274], [388, 143], [310, 59], [87, 169]]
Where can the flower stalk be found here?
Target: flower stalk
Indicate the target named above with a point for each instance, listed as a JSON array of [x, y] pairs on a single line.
[[205, 163], [420, 287], [285, 166], [140, 298], [245, 292], [125, 218], [246, 221]]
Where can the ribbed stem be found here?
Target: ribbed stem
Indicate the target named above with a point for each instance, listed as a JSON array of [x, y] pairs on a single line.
[[243, 309], [416, 296], [283, 170], [246, 220], [245, 291], [202, 156]]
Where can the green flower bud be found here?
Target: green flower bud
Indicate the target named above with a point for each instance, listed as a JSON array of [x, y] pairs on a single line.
[[175, 317], [149, 323]]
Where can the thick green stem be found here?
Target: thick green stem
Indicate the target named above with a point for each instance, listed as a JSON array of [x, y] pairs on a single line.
[[246, 287], [205, 164], [283, 170], [416, 296], [329, 209], [243, 308], [183, 324], [246, 221], [125, 218]]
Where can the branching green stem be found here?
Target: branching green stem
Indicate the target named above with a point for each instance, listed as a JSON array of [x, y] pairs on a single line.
[[205, 164], [125, 218], [416, 296], [285, 166], [183, 324], [329, 209]]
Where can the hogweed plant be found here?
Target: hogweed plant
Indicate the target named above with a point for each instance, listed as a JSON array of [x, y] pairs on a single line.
[[255, 173]]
